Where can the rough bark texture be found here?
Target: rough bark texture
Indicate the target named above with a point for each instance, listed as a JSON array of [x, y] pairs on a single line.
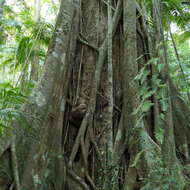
[[83, 131]]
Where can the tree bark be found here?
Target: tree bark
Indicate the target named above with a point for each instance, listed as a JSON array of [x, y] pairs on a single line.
[[83, 131]]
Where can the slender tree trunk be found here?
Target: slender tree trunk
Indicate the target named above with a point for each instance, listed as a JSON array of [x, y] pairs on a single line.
[[179, 62], [130, 94], [34, 74], [169, 141], [109, 182], [137, 137]]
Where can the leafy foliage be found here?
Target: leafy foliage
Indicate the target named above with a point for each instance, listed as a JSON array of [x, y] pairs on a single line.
[[11, 100], [20, 33], [161, 178], [175, 71]]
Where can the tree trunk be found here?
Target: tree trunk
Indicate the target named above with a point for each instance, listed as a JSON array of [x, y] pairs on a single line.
[[86, 124], [35, 63]]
